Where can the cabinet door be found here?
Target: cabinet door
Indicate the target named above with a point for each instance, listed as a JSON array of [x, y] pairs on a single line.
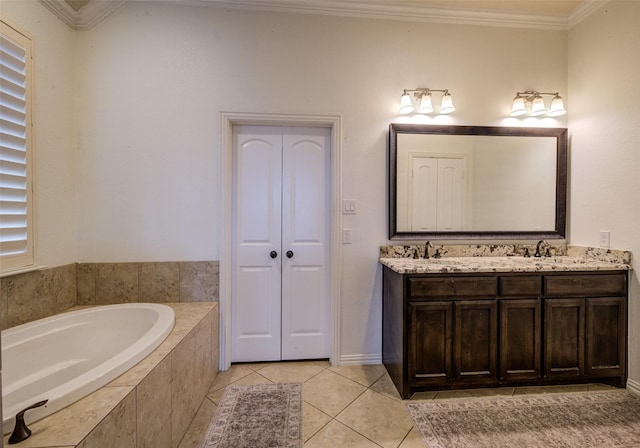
[[430, 342], [606, 330], [564, 321], [520, 339], [476, 341]]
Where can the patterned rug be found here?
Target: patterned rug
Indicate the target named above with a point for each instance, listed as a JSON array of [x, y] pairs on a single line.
[[568, 420], [261, 416]]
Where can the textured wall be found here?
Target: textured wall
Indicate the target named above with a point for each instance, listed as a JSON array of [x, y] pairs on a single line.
[[153, 80], [34, 295], [604, 70], [54, 131]]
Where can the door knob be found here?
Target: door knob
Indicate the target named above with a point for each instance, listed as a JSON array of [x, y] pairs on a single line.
[[289, 254], [273, 254]]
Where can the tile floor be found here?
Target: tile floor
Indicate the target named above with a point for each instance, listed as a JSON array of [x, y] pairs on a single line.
[[344, 406]]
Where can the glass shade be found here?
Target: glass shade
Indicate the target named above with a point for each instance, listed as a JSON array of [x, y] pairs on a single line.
[[406, 106], [557, 107], [519, 107], [425, 104], [446, 107], [538, 107]]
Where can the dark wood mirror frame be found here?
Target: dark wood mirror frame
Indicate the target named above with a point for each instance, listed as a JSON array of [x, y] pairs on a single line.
[[561, 181]]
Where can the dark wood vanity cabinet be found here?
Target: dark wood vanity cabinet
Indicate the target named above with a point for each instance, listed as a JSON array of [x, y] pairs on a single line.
[[449, 331]]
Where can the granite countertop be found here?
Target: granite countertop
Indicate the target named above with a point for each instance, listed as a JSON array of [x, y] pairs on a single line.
[[500, 264]]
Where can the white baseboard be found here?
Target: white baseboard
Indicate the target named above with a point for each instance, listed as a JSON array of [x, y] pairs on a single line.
[[360, 360], [633, 387]]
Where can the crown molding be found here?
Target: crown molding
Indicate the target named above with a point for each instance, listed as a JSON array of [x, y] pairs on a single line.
[[96, 11], [88, 16], [390, 10], [584, 10]]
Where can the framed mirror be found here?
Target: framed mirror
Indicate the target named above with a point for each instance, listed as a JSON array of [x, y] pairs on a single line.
[[477, 182]]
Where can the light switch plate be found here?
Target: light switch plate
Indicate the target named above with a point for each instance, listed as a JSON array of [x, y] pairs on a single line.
[[348, 206], [346, 236]]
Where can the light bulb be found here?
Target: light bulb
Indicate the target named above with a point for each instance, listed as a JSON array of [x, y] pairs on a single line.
[[557, 107], [446, 106], [519, 107], [425, 104], [538, 107], [406, 106]]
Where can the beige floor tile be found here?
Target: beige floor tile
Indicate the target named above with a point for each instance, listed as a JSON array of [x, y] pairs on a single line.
[[413, 440], [313, 420], [365, 375], [336, 435], [386, 387], [223, 379], [199, 426], [293, 372], [255, 366], [251, 379], [469, 393], [380, 419], [330, 392]]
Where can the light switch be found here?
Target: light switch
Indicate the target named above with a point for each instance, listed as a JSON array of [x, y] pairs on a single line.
[[348, 206]]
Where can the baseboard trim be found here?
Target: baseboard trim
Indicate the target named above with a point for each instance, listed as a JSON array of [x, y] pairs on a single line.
[[360, 360], [633, 387]]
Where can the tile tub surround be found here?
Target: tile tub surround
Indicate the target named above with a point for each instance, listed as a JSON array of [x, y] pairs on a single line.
[[34, 295], [160, 282], [150, 405]]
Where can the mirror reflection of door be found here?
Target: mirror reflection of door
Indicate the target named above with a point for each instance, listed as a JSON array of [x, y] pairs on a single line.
[[436, 196]]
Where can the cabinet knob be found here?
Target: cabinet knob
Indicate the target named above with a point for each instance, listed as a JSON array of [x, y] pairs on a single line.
[[273, 254], [289, 254]]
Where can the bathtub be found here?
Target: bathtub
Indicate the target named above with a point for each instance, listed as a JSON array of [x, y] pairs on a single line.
[[65, 357]]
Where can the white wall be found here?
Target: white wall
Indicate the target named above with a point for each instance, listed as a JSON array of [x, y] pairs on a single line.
[[54, 130], [153, 79], [604, 70], [499, 186]]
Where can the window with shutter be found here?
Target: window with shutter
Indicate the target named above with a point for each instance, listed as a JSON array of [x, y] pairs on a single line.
[[16, 233]]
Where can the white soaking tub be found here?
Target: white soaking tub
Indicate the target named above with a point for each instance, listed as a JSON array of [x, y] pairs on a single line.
[[65, 357]]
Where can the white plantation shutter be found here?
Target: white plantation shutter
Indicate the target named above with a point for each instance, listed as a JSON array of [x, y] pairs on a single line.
[[16, 241]]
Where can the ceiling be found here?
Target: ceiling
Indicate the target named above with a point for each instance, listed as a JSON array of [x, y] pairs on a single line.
[[549, 14]]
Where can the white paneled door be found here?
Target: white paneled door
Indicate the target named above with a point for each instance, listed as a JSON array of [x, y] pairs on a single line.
[[280, 301]]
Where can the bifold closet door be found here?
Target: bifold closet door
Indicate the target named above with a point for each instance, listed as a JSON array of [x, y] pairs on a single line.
[[280, 306]]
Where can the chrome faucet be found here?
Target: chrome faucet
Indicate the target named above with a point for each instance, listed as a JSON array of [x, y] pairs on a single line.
[[541, 244], [427, 245]]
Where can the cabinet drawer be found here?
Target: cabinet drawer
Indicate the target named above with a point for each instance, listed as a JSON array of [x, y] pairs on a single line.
[[590, 285], [453, 287], [521, 285]]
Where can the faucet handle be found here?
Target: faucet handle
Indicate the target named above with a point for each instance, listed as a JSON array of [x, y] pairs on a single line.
[[21, 431], [427, 245]]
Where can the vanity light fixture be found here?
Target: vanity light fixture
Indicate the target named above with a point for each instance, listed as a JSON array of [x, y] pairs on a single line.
[[425, 105], [530, 102]]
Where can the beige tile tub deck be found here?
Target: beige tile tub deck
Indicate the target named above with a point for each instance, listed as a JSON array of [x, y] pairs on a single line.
[[137, 409]]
